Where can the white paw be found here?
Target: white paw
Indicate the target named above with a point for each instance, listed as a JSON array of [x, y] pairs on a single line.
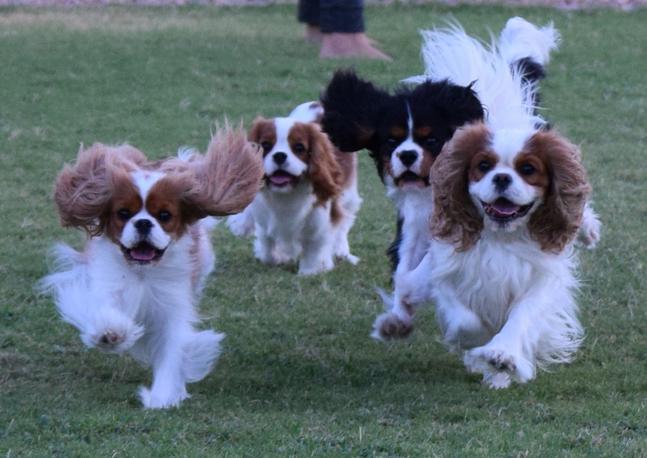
[[589, 233], [273, 257], [352, 259], [316, 267], [152, 400], [491, 361], [241, 225], [114, 339], [496, 380], [389, 326]]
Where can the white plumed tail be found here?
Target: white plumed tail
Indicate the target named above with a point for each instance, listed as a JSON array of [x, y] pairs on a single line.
[[200, 354], [450, 54], [520, 39]]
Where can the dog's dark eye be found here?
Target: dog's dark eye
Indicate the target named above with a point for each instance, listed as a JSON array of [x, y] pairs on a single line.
[[432, 141], [484, 166], [299, 148], [527, 169], [392, 141], [267, 146], [124, 214], [164, 216]]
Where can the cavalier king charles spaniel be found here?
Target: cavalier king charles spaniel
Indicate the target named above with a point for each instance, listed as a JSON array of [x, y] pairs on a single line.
[[510, 199], [135, 286], [310, 199], [404, 134]]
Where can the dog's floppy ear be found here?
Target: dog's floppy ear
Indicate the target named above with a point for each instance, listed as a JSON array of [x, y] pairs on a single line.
[[227, 178], [557, 220], [351, 110], [325, 172], [456, 219], [84, 190]]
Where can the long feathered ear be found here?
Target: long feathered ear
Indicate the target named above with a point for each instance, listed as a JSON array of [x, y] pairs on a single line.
[[456, 218], [82, 192], [259, 127], [351, 109], [325, 172], [556, 222], [227, 178]]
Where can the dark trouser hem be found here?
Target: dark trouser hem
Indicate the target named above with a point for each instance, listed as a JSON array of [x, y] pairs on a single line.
[[333, 16]]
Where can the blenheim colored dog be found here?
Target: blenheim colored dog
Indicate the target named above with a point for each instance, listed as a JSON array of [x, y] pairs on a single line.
[[136, 284], [308, 203]]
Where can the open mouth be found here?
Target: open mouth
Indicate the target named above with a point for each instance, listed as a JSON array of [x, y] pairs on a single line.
[[411, 178], [142, 253], [503, 210], [281, 179]]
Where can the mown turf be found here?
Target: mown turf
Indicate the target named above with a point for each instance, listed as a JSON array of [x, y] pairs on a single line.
[[299, 375]]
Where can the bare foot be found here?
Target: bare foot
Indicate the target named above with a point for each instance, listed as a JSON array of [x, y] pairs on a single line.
[[342, 45], [312, 34]]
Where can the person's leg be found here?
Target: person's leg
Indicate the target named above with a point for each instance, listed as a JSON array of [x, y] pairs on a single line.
[[342, 27], [308, 13]]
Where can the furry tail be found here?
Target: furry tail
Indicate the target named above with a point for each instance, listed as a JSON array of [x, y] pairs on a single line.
[[450, 54], [200, 354], [521, 40], [307, 112], [527, 49], [229, 175]]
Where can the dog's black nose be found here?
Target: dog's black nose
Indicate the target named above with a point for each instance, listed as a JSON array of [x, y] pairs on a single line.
[[143, 226], [501, 181], [279, 158], [408, 157]]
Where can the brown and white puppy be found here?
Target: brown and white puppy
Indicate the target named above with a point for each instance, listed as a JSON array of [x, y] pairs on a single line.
[[309, 201], [136, 284], [509, 201]]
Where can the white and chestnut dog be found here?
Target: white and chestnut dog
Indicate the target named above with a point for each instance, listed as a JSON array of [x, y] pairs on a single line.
[[509, 200], [135, 286], [310, 199], [526, 50]]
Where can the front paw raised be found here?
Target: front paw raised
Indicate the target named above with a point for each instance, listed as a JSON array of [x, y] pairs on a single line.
[[117, 338], [498, 366], [389, 326]]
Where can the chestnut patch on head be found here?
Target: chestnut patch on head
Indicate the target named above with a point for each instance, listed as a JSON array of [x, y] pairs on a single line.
[[422, 132], [456, 218], [531, 167], [125, 203], [397, 133], [263, 132], [300, 139], [482, 162], [164, 203], [556, 221]]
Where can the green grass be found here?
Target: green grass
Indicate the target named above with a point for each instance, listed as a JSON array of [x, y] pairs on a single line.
[[299, 374]]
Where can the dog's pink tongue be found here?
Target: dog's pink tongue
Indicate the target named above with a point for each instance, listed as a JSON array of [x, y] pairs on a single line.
[[505, 207], [280, 179], [142, 253]]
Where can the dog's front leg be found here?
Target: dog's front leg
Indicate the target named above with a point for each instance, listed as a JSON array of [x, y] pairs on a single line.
[[169, 385], [411, 288], [318, 240], [538, 319]]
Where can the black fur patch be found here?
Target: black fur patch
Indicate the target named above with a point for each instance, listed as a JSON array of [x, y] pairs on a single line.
[[359, 115]]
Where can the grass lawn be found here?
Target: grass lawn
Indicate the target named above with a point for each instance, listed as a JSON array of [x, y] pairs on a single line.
[[299, 375]]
